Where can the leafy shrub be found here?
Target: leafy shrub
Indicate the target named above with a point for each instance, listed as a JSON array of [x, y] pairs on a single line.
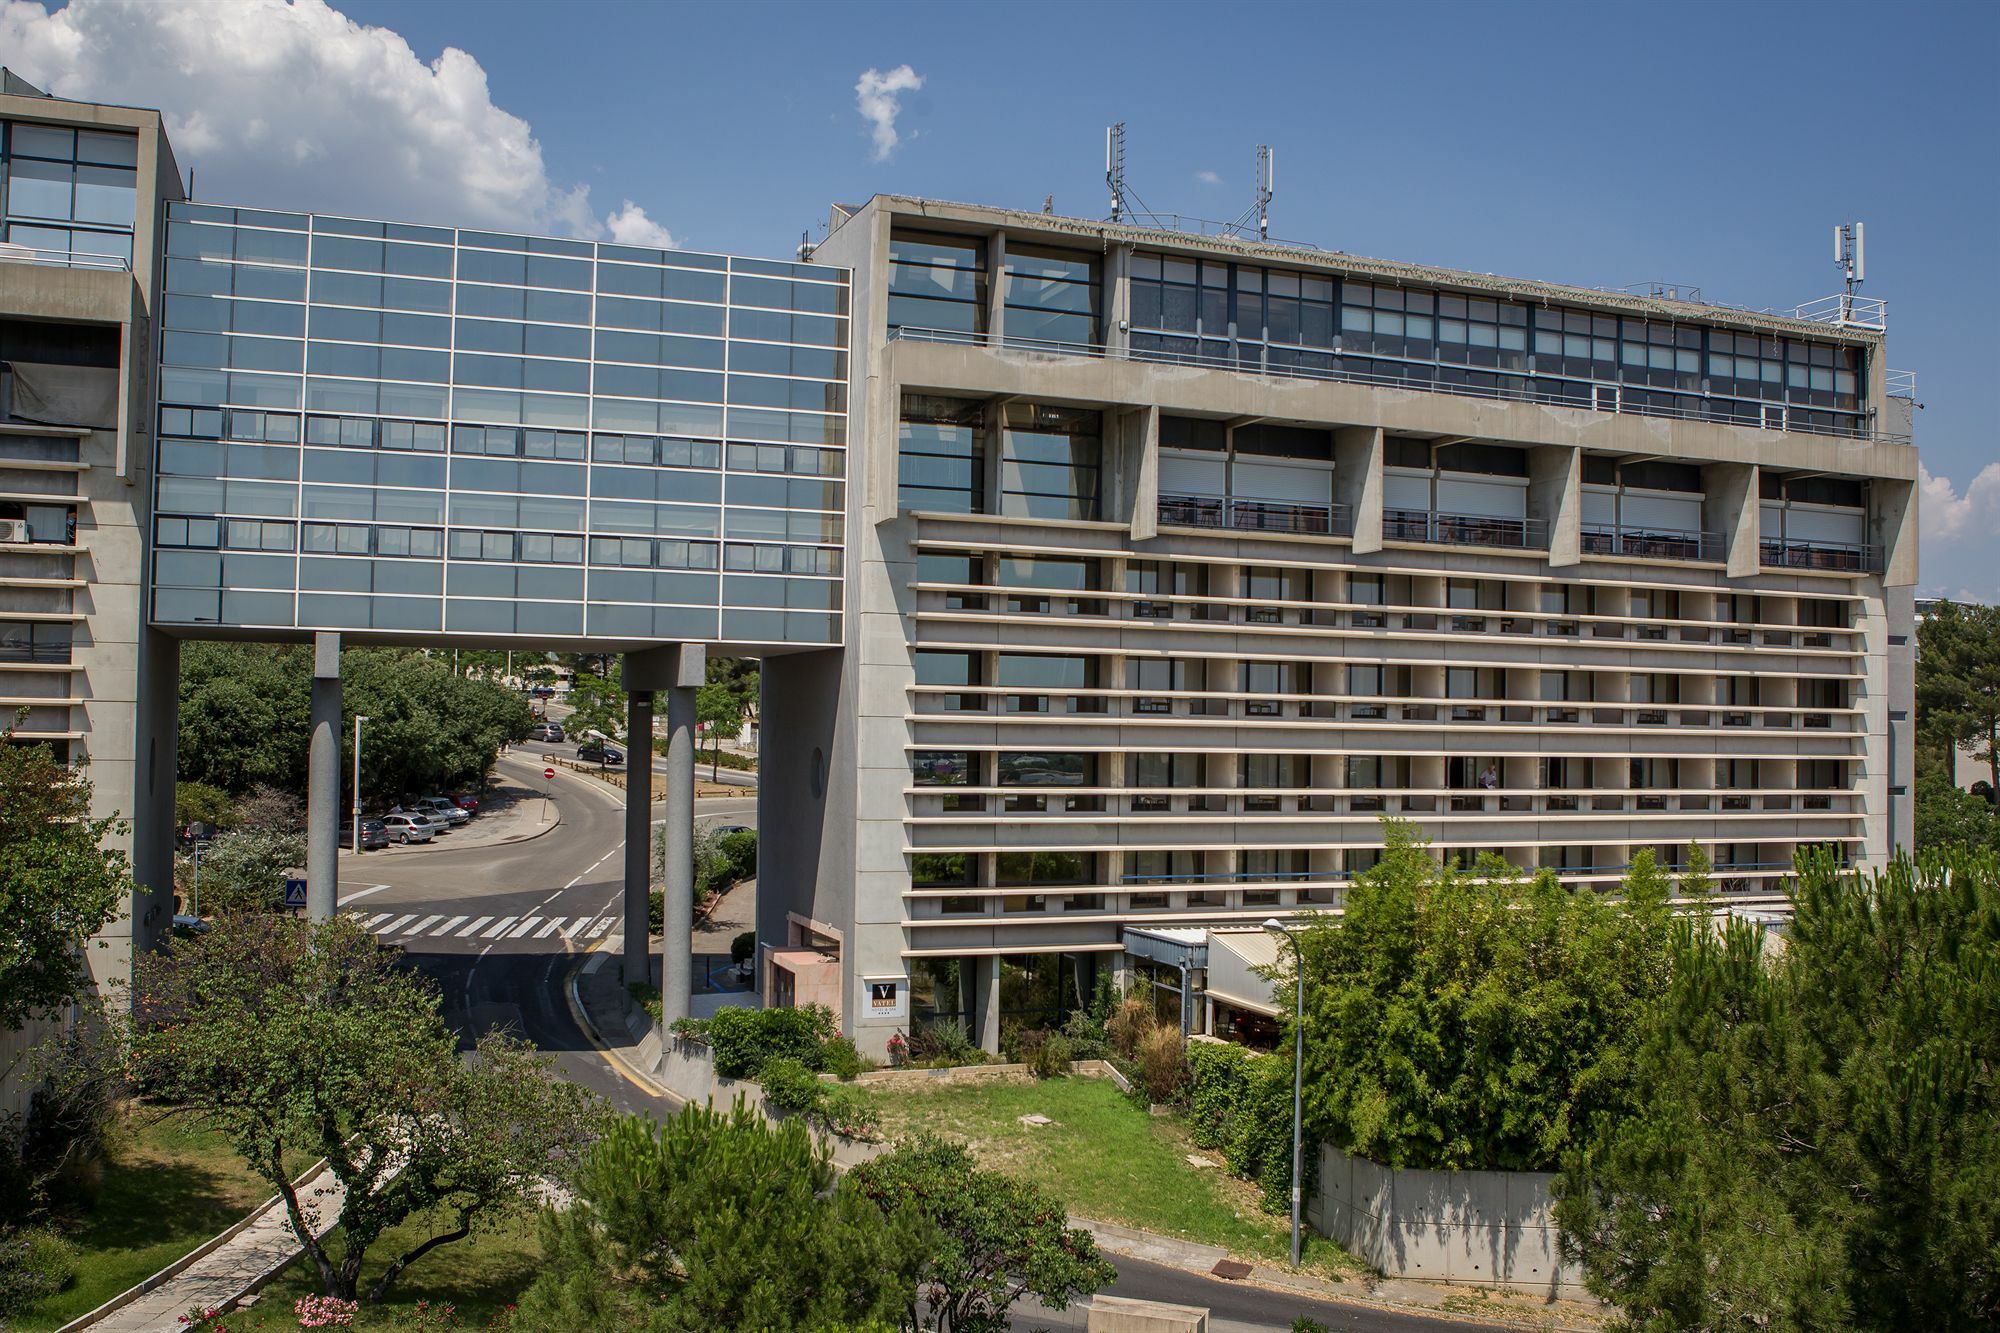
[[244, 870], [1050, 1056], [944, 1043], [744, 1039], [1241, 1103], [1129, 1020], [743, 948], [739, 853], [1085, 1034], [1163, 1064], [35, 1263], [849, 1113], [789, 1085], [1218, 1074], [840, 1059]]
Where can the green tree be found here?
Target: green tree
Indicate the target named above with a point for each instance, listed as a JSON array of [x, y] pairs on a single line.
[[598, 703], [1473, 1020], [1949, 816], [200, 803], [306, 1040], [997, 1238], [244, 870], [1958, 681], [59, 884], [716, 1220], [1813, 1140], [720, 711]]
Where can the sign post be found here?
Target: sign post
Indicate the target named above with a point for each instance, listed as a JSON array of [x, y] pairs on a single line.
[[194, 894], [548, 776]]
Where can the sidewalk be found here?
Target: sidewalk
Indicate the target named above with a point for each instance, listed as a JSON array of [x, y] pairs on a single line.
[[510, 811], [244, 1259]]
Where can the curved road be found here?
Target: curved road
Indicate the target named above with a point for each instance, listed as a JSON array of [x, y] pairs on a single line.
[[500, 929]]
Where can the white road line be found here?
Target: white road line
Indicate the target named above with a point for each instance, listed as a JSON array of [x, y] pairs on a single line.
[[362, 893], [603, 924], [375, 921], [502, 927], [524, 928], [426, 923], [579, 924], [397, 924], [555, 924], [473, 929], [445, 929]]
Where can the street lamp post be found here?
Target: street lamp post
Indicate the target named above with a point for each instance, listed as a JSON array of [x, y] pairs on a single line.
[[359, 718], [1277, 927]]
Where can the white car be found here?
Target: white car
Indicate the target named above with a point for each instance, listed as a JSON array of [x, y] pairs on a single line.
[[409, 828], [443, 810]]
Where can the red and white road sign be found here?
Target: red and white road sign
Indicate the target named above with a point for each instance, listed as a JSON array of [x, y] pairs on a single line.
[[548, 772]]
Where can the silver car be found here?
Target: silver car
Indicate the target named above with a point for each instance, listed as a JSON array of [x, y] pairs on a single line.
[[443, 810], [409, 828]]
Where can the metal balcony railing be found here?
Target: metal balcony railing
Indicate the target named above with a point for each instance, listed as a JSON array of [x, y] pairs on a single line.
[[1214, 511], [1844, 557], [1417, 525], [1634, 400], [1651, 543], [11, 253]]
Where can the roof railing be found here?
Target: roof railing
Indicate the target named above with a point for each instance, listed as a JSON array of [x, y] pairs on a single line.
[[1900, 384], [1847, 310]]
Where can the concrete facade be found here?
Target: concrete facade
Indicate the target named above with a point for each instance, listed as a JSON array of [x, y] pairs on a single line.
[[76, 406], [1741, 687]]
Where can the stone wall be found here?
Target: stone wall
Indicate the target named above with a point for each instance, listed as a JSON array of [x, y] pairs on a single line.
[[1484, 1228]]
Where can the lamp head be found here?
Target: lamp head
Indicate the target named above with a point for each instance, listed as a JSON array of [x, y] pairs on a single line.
[[1277, 927]]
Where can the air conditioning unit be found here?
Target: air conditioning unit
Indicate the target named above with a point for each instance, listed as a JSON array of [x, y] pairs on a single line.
[[13, 530]]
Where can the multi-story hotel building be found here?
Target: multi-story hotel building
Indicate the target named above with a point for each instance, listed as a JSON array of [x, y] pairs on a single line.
[[1176, 563]]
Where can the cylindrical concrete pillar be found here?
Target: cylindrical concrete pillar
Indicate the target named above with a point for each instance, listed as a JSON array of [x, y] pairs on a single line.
[[323, 783], [638, 834], [676, 942]]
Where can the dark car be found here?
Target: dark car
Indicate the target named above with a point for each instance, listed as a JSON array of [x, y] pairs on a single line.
[[600, 752], [374, 835], [543, 692]]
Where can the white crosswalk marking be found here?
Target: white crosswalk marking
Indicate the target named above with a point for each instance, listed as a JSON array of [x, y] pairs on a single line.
[[524, 928], [603, 924], [426, 923], [577, 925], [397, 924], [473, 929], [501, 929], [445, 929], [555, 924], [376, 920]]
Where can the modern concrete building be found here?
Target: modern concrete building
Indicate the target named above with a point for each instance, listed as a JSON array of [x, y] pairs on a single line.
[[1176, 562], [82, 190]]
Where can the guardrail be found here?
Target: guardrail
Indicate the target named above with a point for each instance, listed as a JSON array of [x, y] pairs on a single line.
[[30, 254], [1591, 394], [1841, 557], [1418, 525], [1214, 511], [1651, 543]]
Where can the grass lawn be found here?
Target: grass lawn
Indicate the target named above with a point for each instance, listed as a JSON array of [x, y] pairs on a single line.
[[1104, 1157], [167, 1187], [479, 1276]]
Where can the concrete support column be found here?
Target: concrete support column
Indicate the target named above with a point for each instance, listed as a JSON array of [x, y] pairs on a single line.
[[1555, 497], [988, 996], [996, 286], [676, 946], [323, 783], [1732, 510], [1357, 482], [638, 955]]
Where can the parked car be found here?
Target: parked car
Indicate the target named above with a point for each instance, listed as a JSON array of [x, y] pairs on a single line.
[[442, 810], [374, 835], [545, 731], [543, 692], [409, 827], [724, 830], [469, 804], [600, 752]]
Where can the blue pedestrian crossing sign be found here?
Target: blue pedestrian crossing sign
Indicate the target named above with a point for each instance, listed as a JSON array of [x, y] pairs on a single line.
[[295, 893]]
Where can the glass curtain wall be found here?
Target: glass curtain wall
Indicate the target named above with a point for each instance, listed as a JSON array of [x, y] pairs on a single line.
[[70, 195]]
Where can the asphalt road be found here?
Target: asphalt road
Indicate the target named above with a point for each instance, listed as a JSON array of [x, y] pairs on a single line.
[[500, 929]]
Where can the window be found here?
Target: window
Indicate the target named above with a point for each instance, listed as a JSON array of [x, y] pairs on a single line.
[[942, 870], [948, 768], [1037, 868], [1038, 672], [937, 282], [70, 193], [1051, 295], [1049, 463], [1042, 769], [953, 668], [1163, 867], [942, 443], [954, 567]]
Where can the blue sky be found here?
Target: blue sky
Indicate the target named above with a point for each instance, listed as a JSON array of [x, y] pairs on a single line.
[[1711, 144]]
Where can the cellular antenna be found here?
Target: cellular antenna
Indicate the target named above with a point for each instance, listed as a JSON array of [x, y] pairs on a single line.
[[1264, 189], [1850, 253]]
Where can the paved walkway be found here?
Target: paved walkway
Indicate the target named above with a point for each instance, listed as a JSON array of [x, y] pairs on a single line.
[[244, 1261]]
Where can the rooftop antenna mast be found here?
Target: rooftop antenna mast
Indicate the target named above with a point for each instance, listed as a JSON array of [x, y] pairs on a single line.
[[1114, 169], [1264, 189], [1850, 253]]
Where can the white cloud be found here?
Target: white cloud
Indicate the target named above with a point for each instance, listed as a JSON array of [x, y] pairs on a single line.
[[1959, 534], [629, 225], [294, 105], [876, 97], [1208, 178]]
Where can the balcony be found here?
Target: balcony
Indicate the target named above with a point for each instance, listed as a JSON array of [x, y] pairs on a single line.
[[11, 253], [1833, 557], [1417, 525], [1650, 543], [1214, 511]]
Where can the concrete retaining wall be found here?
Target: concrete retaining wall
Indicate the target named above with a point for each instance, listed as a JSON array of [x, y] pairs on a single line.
[[1486, 1228]]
